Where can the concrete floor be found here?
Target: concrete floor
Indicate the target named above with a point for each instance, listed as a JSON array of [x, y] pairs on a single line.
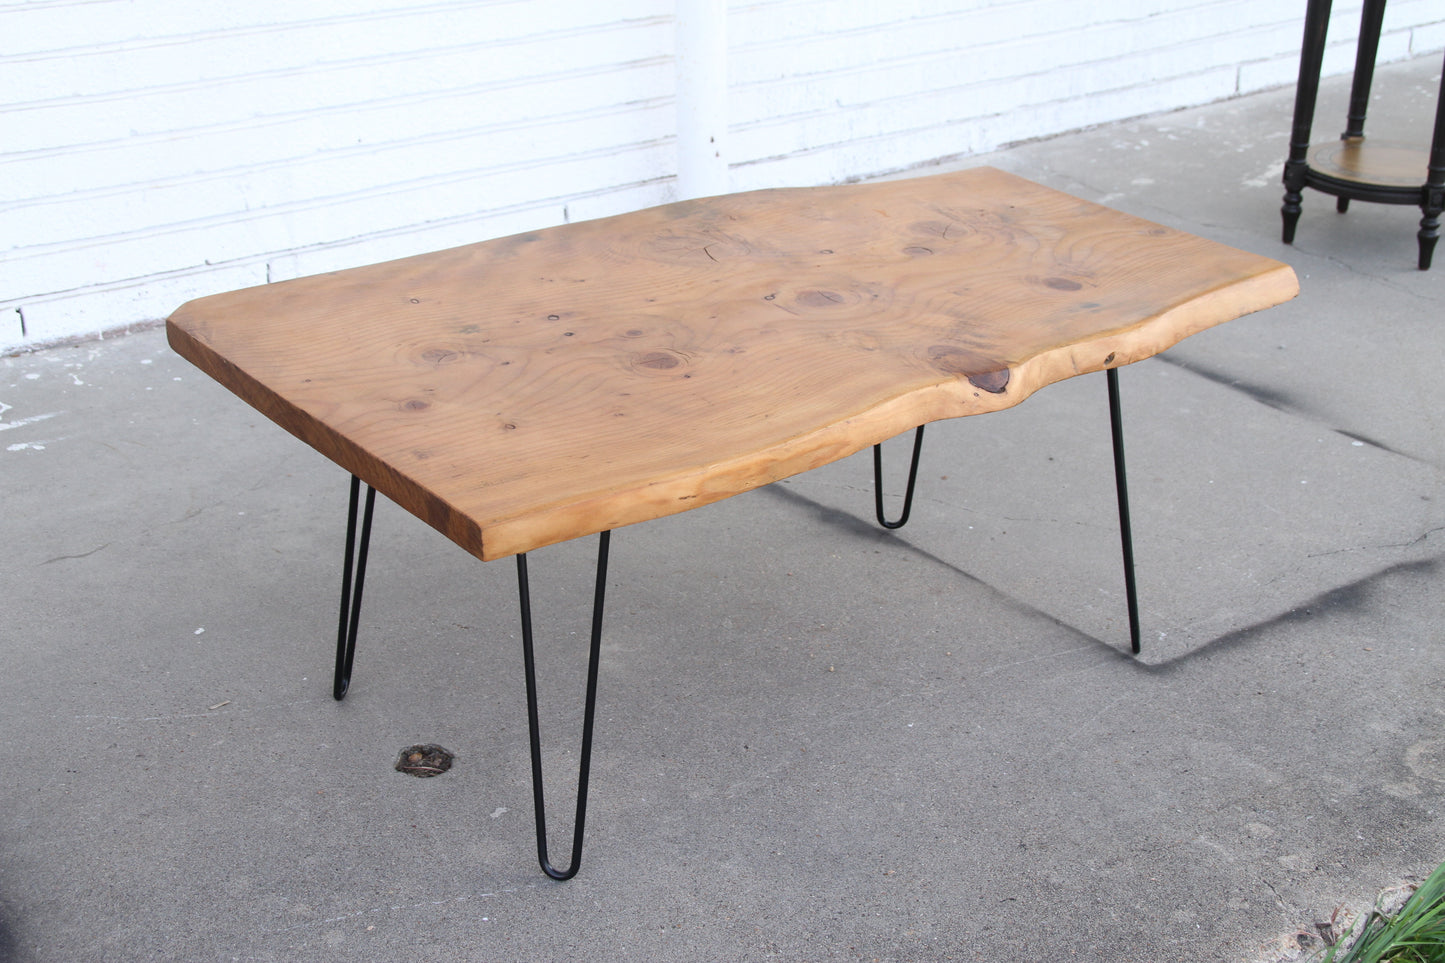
[[817, 740]]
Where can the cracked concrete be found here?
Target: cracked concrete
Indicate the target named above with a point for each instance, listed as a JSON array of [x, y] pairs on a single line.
[[816, 739]]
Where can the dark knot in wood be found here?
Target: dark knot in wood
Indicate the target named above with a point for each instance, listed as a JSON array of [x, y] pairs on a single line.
[[994, 382]]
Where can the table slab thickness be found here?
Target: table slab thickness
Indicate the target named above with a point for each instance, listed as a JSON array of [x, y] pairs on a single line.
[[532, 389]]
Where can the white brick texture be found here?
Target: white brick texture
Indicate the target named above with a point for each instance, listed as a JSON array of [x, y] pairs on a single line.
[[152, 151]]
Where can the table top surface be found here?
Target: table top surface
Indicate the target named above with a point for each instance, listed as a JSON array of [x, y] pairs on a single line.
[[527, 390]]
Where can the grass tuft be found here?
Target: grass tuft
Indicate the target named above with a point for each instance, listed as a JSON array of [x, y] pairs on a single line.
[[1414, 934]]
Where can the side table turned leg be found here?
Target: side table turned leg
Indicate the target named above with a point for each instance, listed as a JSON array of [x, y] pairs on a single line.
[[1432, 196], [1372, 18], [1312, 53], [1294, 182], [1429, 234]]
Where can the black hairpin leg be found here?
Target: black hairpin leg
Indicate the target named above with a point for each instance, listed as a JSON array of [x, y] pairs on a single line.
[[539, 803], [908, 493], [1126, 537], [351, 592]]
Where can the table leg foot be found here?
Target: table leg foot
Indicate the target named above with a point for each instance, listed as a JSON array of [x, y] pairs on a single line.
[[1429, 235], [1126, 536], [351, 584], [1294, 185], [908, 493], [539, 802], [1290, 214]]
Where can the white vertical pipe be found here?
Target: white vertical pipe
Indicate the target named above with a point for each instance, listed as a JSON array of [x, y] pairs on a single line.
[[702, 86]]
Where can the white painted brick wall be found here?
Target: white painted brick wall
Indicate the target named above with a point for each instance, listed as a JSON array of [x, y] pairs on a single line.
[[152, 151]]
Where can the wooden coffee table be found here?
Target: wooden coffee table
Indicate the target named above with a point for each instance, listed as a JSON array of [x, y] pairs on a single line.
[[524, 391]]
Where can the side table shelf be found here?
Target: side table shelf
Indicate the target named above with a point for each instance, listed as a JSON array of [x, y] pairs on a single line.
[[1354, 168]]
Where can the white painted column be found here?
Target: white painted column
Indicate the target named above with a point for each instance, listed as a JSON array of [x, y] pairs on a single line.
[[702, 85]]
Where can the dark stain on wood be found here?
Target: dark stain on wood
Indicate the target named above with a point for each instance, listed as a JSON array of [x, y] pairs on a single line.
[[820, 299], [440, 356], [657, 360], [931, 228]]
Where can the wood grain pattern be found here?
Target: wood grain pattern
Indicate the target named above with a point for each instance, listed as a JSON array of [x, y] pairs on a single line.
[[527, 390], [1372, 162]]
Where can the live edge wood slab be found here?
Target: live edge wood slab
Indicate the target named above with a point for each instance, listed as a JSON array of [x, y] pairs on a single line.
[[523, 391]]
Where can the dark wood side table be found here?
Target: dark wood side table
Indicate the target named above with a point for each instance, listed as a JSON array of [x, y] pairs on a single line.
[[1352, 168]]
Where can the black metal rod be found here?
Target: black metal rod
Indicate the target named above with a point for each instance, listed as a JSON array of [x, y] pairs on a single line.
[[539, 802], [1126, 535], [351, 594], [908, 493]]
